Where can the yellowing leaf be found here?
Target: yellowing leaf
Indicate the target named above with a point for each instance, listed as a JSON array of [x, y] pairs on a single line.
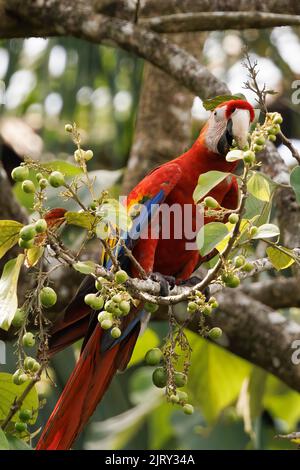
[[33, 255], [9, 235], [81, 219], [279, 259], [206, 182], [9, 392], [215, 377], [259, 187], [85, 267], [8, 291]]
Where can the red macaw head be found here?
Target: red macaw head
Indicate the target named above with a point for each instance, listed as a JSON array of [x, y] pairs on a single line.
[[229, 120]]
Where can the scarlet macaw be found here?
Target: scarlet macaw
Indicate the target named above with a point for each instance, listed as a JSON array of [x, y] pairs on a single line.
[[173, 182]]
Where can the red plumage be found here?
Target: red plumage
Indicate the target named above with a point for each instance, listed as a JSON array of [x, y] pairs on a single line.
[[96, 367]]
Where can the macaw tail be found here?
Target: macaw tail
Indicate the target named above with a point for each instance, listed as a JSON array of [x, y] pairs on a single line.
[[84, 389]]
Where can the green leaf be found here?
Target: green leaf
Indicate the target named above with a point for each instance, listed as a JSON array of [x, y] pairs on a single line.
[[3, 441], [206, 182], [146, 341], [282, 403], [212, 103], [8, 291], [267, 231], [210, 235], [81, 219], [17, 444], [215, 378], [9, 235], [68, 169], [9, 392], [279, 259], [255, 206], [85, 267], [295, 182], [259, 187]]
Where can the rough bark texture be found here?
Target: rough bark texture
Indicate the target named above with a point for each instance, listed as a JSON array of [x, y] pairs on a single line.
[[163, 128]]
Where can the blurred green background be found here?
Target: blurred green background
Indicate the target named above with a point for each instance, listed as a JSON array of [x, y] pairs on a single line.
[[47, 83]]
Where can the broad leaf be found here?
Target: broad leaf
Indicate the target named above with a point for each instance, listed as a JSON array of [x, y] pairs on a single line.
[[9, 392], [9, 235], [282, 403], [206, 182], [4, 445], [212, 103], [234, 155], [295, 182], [279, 259], [259, 187], [209, 236], [33, 255], [81, 219], [68, 169], [85, 267], [267, 231], [17, 444], [215, 378], [8, 291], [146, 341]]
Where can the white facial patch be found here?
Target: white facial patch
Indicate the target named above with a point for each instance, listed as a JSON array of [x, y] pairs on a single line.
[[240, 126]]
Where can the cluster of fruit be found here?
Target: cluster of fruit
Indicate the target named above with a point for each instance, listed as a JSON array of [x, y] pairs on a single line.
[[24, 416], [229, 276], [160, 379], [29, 232], [20, 174], [30, 368]]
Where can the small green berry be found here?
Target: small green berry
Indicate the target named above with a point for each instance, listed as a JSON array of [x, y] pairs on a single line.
[[151, 308], [231, 280], [277, 119], [239, 261], [93, 205], [153, 357], [248, 267], [180, 379], [39, 176], [253, 231], [20, 427], [260, 140], [192, 307], [43, 183], [26, 243], [272, 138], [104, 315], [20, 173], [116, 332], [56, 179], [188, 409], [106, 324], [174, 398], [28, 232], [183, 396], [215, 333], [28, 187], [79, 155], [94, 301], [41, 226], [211, 202], [249, 157], [233, 218], [48, 297], [159, 377], [28, 340], [29, 362], [117, 298], [88, 155], [16, 377], [121, 277], [19, 318], [124, 306], [207, 309], [69, 128], [36, 366], [257, 148], [25, 415]]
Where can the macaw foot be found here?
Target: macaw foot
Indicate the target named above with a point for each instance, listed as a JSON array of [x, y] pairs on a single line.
[[166, 283], [193, 281]]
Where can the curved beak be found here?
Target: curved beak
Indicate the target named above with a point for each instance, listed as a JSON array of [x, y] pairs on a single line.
[[240, 127]]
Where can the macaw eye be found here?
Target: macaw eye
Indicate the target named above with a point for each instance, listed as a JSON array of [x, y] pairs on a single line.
[[219, 114]]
